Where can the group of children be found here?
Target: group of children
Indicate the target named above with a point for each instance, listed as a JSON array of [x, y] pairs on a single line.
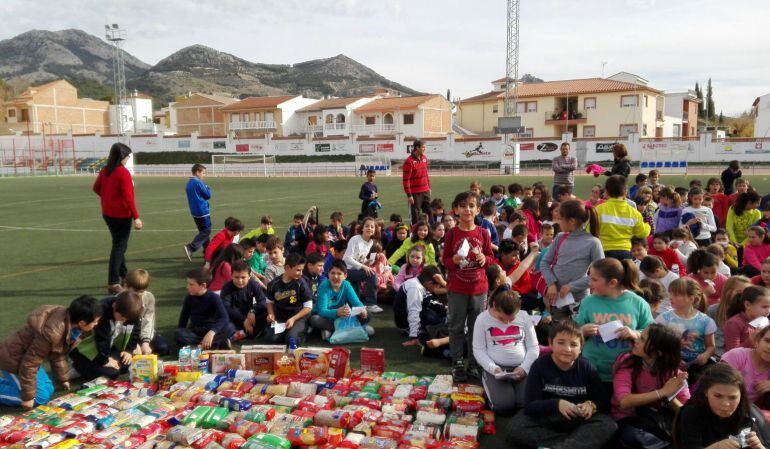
[[637, 316]]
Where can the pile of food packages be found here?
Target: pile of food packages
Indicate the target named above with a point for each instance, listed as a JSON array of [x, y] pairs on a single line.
[[265, 397]]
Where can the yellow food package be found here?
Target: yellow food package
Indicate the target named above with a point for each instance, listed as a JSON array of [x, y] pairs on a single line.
[[188, 376], [65, 444], [144, 368]]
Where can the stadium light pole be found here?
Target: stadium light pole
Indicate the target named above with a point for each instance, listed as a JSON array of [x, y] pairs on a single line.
[[510, 103]]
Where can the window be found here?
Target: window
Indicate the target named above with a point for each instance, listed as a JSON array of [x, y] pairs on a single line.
[[387, 119], [628, 101], [409, 118], [11, 112], [340, 118], [269, 117], [644, 129], [526, 106], [677, 130], [256, 116], [25, 115], [589, 103], [528, 132], [589, 131], [370, 120], [625, 130], [235, 118], [646, 101], [494, 108], [245, 116], [329, 118]]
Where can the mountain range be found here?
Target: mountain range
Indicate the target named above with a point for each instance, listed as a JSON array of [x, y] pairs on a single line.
[[85, 60]]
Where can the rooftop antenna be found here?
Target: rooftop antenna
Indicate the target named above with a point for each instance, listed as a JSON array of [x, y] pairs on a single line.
[[117, 37], [604, 64]]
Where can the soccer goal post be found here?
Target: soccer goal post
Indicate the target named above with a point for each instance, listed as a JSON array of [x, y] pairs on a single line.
[[242, 164], [378, 163]]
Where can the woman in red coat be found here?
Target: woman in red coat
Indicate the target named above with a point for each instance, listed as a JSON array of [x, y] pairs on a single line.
[[116, 190]]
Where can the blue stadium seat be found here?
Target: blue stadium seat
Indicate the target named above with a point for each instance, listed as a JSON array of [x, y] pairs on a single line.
[[659, 164], [667, 164], [675, 164], [683, 164], [644, 164]]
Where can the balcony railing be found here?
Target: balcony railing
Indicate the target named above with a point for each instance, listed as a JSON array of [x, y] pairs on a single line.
[[379, 128], [559, 118], [314, 128], [659, 116], [339, 127], [259, 125]]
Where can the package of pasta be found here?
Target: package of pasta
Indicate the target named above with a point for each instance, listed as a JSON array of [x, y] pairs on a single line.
[[307, 436], [378, 443], [467, 397], [488, 417]]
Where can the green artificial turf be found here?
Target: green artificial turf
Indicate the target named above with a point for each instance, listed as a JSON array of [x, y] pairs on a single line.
[[55, 245]]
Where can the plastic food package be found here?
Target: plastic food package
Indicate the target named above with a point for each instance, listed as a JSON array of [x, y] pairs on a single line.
[[372, 359], [307, 436], [188, 358]]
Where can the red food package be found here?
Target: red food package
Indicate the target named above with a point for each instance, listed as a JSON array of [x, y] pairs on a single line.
[[419, 393], [309, 414], [489, 422], [387, 390], [468, 406], [289, 378], [420, 443], [385, 431], [307, 436], [232, 441], [373, 359], [459, 443], [260, 399], [373, 404], [339, 362]]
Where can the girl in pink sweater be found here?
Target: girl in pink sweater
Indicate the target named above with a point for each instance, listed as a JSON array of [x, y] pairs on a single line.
[[745, 317], [757, 248]]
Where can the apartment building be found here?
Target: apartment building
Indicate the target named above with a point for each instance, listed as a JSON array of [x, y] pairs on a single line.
[[200, 113], [413, 116], [256, 116], [332, 116], [589, 107], [54, 108]]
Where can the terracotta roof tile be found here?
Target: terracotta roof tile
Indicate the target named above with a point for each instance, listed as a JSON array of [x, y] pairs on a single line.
[[564, 87], [330, 103], [391, 103], [258, 102]]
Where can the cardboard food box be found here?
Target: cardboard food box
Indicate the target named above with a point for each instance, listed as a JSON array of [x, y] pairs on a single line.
[[144, 368], [262, 358], [220, 363], [373, 359]]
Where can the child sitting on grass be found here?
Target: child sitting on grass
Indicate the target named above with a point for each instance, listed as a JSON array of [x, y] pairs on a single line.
[[226, 236], [204, 310], [336, 298], [138, 280], [413, 267], [275, 252], [289, 302], [109, 349], [49, 333], [245, 303]]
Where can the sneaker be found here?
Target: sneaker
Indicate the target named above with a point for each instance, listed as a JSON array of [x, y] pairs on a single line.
[[374, 309], [326, 335], [459, 375], [188, 253], [238, 336], [369, 330], [474, 370]]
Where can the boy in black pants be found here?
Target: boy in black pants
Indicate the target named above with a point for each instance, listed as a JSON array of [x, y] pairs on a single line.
[[368, 194], [210, 325], [289, 302], [108, 350], [245, 302]]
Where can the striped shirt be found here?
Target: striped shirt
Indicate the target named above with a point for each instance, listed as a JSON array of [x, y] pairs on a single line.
[[562, 167]]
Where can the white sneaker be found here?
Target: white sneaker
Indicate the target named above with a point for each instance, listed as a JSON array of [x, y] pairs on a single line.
[[374, 309], [369, 330], [187, 253], [326, 335]]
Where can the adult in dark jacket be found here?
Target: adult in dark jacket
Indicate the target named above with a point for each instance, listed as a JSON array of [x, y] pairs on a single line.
[[198, 196], [116, 191], [621, 164], [49, 333]]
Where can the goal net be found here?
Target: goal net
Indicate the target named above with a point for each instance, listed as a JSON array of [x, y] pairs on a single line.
[[380, 164], [242, 164]]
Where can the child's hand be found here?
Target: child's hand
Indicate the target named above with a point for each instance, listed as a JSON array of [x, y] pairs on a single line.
[[457, 259], [673, 385], [364, 314], [550, 294], [701, 359], [208, 340], [753, 441], [762, 387], [289, 323], [247, 325], [411, 342], [564, 290], [590, 330], [138, 224], [586, 410], [481, 259], [112, 363], [343, 312], [710, 290], [66, 386], [126, 357], [626, 333], [270, 319], [568, 409], [145, 348], [28, 404], [519, 373]]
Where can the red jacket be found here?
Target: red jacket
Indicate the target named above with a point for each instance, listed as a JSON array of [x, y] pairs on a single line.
[[116, 191], [670, 258], [721, 205], [415, 173], [221, 240]]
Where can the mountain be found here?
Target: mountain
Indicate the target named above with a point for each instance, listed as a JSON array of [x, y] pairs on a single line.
[[204, 69], [41, 56]]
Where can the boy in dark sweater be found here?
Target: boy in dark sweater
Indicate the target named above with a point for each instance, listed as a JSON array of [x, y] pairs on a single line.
[[210, 326], [336, 253], [565, 401], [368, 194], [314, 269], [289, 302], [296, 237], [245, 302], [109, 349]]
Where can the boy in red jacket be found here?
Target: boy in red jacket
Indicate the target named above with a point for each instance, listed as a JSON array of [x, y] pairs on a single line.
[[225, 237], [670, 257], [467, 250]]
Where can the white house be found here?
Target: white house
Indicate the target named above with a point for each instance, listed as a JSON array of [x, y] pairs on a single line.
[[136, 116], [761, 111], [414, 116], [332, 116], [255, 116], [681, 113]]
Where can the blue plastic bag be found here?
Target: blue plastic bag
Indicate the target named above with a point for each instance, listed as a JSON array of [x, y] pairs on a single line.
[[348, 330]]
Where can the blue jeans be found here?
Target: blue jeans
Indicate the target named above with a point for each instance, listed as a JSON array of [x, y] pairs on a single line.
[[10, 388], [621, 255], [204, 231], [370, 290]]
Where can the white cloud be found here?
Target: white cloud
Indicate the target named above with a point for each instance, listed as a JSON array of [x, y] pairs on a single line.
[[432, 45]]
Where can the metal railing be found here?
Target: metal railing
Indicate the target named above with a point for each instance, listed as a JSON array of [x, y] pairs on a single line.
[[238, 126], [379, 128], [335, 126], [314, 128], [559, 116]]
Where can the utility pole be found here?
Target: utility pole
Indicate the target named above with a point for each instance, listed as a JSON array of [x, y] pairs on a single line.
[[510, 123], [117, 36]]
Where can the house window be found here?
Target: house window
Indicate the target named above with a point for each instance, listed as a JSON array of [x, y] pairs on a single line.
[[644, 129], [387, 119], [625, 130], [245, 116], [340, 118], [677, 130], [589, 103], [25, 115], [11, 112], [528, 132], [269, 117], [494, 108], [646, 101], [526, 106], [329, 118], [589, 131], [370, 120], [409, 119], [235, 118], [628, 101]]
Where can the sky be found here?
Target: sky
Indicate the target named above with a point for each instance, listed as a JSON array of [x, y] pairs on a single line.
[[435, 45]]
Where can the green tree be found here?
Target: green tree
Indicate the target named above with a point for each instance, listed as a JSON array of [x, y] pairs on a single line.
[[699, 95], [721, 118], [709, 101], [448, 95]]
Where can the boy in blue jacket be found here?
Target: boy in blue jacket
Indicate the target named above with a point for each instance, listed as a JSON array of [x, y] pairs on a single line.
[[198, 196]]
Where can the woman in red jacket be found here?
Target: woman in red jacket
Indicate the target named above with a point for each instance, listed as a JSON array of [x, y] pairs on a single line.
[[116, 190]]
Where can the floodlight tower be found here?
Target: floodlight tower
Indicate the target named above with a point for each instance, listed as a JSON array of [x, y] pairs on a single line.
[[117, 36], [510, 123]]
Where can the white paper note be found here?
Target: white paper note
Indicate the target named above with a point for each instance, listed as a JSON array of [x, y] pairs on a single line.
[[565, 301], [608, 331], [355, 311], [684, 385], [464, 249], [535, 319], [759, 323], [278, 328]]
